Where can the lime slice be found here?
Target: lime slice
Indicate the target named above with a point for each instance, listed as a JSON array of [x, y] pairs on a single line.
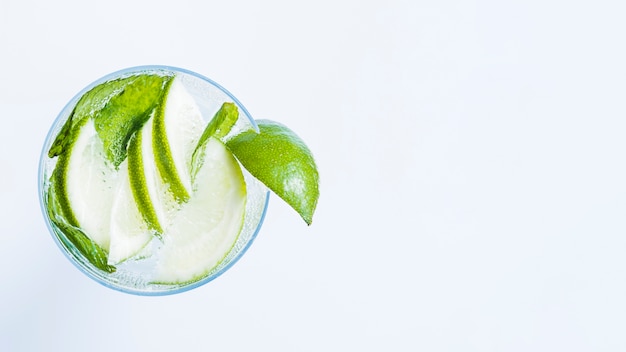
[[205, 228], [149, 192], [278, 158], [129, 233], [85, 184], [177, 127]]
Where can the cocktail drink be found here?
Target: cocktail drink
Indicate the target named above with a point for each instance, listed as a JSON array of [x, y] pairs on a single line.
[[155, 180]]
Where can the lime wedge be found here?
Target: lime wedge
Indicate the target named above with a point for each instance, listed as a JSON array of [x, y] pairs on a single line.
[[278, 158], [205, 228]]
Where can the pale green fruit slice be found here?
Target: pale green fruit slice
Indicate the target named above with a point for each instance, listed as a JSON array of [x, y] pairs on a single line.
[[129, 232], [149, 192], [178, 125], [206, 228], [89, 183]]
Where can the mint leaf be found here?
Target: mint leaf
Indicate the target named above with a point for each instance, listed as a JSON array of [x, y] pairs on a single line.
[[219, 126], [127, 111], [87, 106]]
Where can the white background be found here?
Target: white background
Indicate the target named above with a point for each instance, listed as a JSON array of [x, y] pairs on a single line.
[[472, 159]]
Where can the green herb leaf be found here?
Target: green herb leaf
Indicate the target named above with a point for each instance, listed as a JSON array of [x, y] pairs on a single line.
[[127, 111]]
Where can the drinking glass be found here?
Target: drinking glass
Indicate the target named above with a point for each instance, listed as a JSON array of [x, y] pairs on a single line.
[[133, 275]]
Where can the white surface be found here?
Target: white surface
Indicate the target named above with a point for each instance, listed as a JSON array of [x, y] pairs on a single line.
[[472, 163]]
